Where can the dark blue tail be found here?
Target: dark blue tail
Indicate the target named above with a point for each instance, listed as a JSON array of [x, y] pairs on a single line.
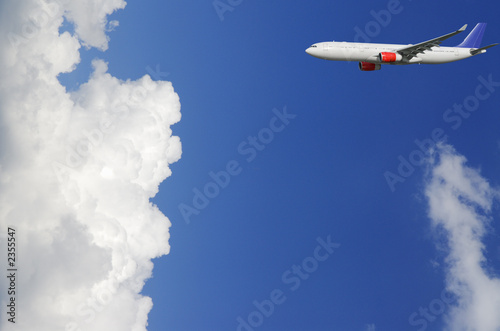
[[473, 40]]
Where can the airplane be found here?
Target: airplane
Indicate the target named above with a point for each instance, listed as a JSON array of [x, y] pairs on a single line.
[[372, 56]]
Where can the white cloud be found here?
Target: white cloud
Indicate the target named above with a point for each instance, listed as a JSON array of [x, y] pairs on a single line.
[[77, 171], [460, 203], [370, 327], [90, 20]]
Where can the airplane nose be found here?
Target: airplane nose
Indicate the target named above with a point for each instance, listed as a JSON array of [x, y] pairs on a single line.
[[308, 51]]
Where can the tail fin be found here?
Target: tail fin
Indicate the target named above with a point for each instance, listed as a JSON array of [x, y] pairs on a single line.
[[473, 40]]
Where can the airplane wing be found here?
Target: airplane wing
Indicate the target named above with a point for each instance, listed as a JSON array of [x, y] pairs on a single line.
[[411, 51]]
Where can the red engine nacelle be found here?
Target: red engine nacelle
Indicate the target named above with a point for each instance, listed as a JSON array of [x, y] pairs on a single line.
[[368, 66], [387, 57]]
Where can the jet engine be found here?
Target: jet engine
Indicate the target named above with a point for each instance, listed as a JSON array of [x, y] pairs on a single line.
[[368, 66], [387, 57]]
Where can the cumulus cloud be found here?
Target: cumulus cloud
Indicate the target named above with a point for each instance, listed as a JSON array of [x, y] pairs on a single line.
[[90, 20], [460, 206], [77, 170], [370, 327]]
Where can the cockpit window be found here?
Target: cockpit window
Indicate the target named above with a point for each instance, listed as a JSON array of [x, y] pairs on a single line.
[[314, 46]]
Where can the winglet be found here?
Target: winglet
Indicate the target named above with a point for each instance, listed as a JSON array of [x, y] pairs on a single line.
[[473, 40], [462, 28]]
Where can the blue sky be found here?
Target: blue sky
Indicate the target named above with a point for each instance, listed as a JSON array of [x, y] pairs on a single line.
[[320, 176]]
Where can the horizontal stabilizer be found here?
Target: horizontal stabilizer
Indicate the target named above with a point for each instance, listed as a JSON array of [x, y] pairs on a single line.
[[481, 50]]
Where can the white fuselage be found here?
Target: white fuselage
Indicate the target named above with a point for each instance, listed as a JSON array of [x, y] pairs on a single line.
[[366, 52]]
